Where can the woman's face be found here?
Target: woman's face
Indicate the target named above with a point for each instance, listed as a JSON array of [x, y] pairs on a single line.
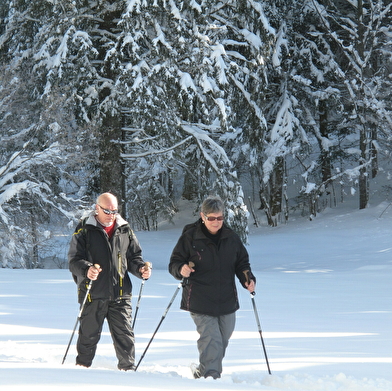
[[212, 221]]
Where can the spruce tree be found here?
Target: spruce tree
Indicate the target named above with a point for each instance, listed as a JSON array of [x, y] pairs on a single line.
[[194, 86]]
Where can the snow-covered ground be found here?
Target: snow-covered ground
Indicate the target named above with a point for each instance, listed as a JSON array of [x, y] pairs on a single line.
[[324, 298]]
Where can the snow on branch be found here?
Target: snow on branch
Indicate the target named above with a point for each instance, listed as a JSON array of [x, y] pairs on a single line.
[[281, 41], [19, 163], [218, 52], [201, 136], [174, 10], [282, 132], [9, 191], [48, 201], [138, 69], [257, 6], [55, 62], [62, 50], [207, 83], [195, 5], [160, 37], [131, 4], [186, 81], [348, 51], [253, 39], [251, 102], [154, 151], [237, 55], [351, 173]]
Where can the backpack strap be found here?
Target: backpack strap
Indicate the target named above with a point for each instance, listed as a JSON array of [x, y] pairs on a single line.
[[82, 229]]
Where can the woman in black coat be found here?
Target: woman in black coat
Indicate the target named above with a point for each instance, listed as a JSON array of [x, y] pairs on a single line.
[[208, 256]]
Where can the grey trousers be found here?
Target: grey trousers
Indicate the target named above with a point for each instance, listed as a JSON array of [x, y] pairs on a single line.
[[215, 332]]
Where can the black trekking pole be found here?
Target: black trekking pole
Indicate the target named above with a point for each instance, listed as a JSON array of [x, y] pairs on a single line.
[[252, 295], [80, 314], [147, 265], [191, 264]]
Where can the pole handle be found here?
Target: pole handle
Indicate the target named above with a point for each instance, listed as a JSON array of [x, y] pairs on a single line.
[[98, 267], [247, 280], [147, 265], [184, 280]]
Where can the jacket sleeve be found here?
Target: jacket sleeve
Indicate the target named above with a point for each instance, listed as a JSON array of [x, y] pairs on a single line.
[[78, 262], [134, 256], [243, 269], [179, 257]]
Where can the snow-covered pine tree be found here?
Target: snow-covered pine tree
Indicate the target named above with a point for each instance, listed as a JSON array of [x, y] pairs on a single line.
[[194, 87], [326, 81], [76, 51], [361, 33], [31, 161], [286, 138], [39, 151]]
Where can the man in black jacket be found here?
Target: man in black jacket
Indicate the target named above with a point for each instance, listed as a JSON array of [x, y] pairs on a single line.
[[105, 239], [208, 256]]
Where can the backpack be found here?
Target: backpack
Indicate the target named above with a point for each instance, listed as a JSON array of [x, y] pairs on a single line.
[[84, 232]]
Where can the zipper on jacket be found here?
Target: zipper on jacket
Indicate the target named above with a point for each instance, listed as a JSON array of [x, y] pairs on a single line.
[[89, 294], [119, 273]]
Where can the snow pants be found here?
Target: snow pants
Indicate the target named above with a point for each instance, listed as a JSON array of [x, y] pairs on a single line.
[[118, 315], [215, 332]]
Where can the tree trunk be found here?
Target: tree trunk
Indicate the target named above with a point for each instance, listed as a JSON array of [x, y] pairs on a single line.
[[363, 177], [325, 156], [111, 164], [277, 188], [374, 152], [273, 205]]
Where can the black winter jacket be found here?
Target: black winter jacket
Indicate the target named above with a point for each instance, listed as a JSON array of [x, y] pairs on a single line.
[[211, 289], [121, 254]]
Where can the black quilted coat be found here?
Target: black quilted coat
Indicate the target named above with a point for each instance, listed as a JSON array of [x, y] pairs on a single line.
[[211, 289]]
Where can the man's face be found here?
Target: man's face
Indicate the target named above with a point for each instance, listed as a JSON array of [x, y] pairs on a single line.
[[106, 211]]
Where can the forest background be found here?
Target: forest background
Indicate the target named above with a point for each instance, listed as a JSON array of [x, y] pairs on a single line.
[[280, 106]]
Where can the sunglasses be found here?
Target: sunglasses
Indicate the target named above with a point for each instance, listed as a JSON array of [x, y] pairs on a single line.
[[212, 218], [108, 211]]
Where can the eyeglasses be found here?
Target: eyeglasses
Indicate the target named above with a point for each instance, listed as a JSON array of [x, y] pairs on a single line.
[[108, 211], [212, 218]]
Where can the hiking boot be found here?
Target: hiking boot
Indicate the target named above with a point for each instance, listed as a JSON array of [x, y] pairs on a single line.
[[130, 368], [215, 375], [195, 371]]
